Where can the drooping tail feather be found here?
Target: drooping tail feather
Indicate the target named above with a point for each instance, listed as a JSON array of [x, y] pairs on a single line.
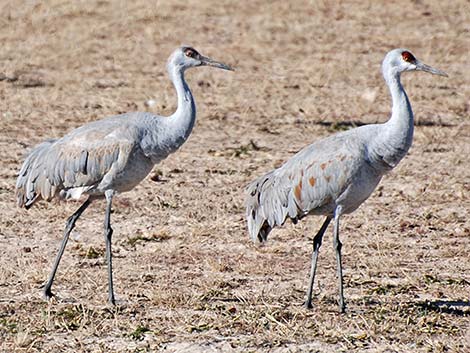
[[32, 183], [254, 218], [268, 204]]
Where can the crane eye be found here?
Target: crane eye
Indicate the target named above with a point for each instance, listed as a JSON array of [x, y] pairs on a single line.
[[190, 53], [408, 57]]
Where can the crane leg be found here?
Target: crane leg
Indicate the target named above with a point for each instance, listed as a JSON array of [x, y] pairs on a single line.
[[108, 232], [337, 246], [68, 228], [316, 247]]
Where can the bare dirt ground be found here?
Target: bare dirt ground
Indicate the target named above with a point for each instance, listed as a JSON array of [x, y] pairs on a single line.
[[187, 277]]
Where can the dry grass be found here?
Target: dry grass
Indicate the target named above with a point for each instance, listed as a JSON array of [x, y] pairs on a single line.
[[187, 277]]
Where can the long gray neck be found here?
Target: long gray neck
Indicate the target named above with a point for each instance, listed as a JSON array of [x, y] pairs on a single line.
[[183, 119], [394, 138], [164, 135]]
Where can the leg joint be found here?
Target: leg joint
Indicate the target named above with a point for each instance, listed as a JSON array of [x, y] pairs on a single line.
[[337, 244], [108, 232], [317, 242]]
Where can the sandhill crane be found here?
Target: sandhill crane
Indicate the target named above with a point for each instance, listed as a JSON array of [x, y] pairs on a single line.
[[109, 156], [335, 175]]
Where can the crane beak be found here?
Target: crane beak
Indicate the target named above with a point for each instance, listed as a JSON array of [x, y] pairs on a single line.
[[423, 67], [209, 62]]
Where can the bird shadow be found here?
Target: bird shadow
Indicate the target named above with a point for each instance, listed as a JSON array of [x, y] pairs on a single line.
[[454, 307]]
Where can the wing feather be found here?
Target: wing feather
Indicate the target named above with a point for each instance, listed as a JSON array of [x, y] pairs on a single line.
[[309, 182], [79, 160]]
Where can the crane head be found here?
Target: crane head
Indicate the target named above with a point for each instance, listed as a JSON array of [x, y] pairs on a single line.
[[400, 60], [186, 57]]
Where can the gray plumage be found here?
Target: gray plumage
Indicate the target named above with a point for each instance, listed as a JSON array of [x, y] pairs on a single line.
[[109, 156], [114, 153], [335, 175]]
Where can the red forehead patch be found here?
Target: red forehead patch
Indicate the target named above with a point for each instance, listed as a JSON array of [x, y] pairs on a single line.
[[407, 56]]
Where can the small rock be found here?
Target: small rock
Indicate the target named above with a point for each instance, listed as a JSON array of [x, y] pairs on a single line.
[[150, 103]]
